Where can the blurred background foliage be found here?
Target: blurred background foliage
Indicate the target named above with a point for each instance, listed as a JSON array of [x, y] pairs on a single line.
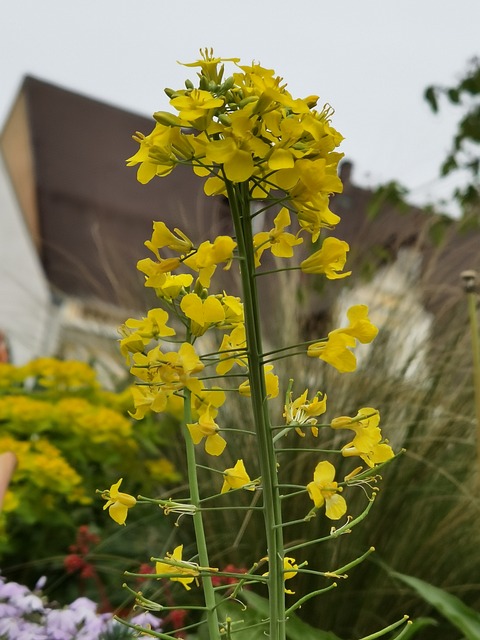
[[72, 437]]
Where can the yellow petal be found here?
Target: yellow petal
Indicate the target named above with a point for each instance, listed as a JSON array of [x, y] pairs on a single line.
[[214, 445], [324, 472], [335, 507], [281, 159], [240, 168], [118, 512]]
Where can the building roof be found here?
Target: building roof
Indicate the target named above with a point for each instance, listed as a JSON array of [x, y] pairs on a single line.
[[86, 210]]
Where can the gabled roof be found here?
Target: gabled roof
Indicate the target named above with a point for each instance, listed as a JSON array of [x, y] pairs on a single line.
[[88, 214]]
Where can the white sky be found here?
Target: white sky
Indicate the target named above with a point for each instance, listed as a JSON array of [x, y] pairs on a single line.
[[370, 59]]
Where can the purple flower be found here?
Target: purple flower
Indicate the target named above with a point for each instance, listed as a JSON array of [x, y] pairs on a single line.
[[79, 621], [146, 619]]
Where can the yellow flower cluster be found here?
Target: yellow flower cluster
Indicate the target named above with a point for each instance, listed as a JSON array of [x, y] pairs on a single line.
[[367, 444], [67, 433], [43, 477], [92, 424], [248, 128], [60, 375], [97, 426], [251, 141]]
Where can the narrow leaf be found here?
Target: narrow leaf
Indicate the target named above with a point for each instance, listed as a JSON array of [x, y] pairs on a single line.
[[431, 97], [462, 617]]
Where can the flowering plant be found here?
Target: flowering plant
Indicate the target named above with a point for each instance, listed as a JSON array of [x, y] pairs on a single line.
[[66, 432], [274, 158], [28, 615]]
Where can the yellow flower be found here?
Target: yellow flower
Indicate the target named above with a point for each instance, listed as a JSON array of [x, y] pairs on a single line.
[[233, 308], [195, 104], [163, 237], [178, 567], [290, 570], [323, 490], [279, 241], [159, 139], [207, 428], [171, 285], [314, 214], [147, 399], [271, 384], [156, 270], [118, 503], [209, 255], [232, 350], [335, 351], [207, 399], [202, 313], [153, 326], [360, 325], [302, 411], [237, 163], [236, 478], [330, 259], [367, 443], [138, 333], [209, 65]]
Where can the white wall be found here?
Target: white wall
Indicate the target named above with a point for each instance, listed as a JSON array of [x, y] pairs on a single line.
[[25, 306]]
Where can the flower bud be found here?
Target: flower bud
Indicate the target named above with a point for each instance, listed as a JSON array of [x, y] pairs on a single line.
[[246, 101], [311, 101], [224, 119], [167, 119], [341, 422], [228, 84]]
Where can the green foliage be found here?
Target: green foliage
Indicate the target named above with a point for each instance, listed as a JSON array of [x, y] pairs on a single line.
[[464, 154], [71, 438], [462, 617]]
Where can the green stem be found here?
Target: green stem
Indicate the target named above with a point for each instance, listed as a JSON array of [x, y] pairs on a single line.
[[208, 590], [240, 208], [310, 595]]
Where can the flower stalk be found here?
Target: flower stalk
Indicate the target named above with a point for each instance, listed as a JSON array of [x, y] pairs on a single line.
[[253, 143], [208, 590], [240, 208]]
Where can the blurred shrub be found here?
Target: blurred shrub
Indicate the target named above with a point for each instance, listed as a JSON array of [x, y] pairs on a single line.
[[71, 438]]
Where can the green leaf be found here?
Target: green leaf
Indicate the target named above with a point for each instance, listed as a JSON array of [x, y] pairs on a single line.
[[431, 97], [453, 95], [462, 617]]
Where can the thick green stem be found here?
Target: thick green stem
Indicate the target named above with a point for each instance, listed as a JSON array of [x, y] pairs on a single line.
[[240, 208], [209, 593]]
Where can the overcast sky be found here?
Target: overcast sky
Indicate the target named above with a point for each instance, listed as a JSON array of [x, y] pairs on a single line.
[[370, 59]]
